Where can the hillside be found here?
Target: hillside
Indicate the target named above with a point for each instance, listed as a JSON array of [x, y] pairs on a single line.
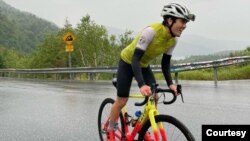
[[21, 30], [197, 45]]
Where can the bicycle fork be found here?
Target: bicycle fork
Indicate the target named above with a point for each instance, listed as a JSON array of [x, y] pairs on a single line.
[[155, 127]]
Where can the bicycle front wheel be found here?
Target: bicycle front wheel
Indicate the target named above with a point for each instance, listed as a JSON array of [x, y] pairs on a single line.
[[174, 129], [103, 119]]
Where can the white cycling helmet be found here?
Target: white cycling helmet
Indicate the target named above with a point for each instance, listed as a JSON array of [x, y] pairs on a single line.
[[178, 11]]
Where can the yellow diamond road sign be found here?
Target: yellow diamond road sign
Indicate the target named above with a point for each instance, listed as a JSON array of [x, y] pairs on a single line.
[[69, 38]]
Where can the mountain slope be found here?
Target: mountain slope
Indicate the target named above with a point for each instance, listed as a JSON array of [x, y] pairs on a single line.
[[22, 30], [198, 45]]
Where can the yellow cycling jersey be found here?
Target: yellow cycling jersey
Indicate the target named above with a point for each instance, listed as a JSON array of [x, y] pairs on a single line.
[[162, 41]]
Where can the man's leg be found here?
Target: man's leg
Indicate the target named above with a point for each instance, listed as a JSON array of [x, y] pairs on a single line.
[[124, 80], [120, 102]]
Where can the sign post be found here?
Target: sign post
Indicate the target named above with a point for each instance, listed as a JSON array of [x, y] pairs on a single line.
[[68, 39]]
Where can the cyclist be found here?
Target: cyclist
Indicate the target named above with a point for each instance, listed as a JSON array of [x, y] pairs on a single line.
[[154, 40]]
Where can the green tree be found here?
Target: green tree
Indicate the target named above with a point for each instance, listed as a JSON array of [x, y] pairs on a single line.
[[92, 44], [2, 61], [50, 53], [125, 39], [248, 49], [11, 58]]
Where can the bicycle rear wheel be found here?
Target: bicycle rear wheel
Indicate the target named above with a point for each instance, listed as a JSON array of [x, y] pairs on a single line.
[[103, 119], [174, 129]]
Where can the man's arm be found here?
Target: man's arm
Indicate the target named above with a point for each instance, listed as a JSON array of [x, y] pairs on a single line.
[[136, 66], [165, 66], [147, 36], [144, 89]]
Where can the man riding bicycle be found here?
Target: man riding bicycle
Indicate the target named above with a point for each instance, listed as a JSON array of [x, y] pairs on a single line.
[[154, 40]]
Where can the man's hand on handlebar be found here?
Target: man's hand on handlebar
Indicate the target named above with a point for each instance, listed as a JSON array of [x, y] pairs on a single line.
[[173, 88], [145, 90]]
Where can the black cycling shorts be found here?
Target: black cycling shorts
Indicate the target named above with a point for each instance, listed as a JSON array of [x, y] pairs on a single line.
[[125, 76]]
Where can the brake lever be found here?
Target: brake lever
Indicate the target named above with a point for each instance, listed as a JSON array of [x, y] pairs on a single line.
[[182, 99], [179, 90]]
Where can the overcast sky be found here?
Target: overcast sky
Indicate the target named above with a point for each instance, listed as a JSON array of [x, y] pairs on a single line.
[[216, 19]]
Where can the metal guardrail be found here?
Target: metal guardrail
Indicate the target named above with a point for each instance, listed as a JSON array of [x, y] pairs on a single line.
[[206, 64], [155, 68], [63, 70]]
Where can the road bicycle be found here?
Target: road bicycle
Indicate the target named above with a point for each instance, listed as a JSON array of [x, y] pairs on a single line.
[[150, 124]]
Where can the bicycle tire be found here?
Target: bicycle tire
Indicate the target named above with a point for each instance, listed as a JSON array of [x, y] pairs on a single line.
[[179, 133], [101, 120]]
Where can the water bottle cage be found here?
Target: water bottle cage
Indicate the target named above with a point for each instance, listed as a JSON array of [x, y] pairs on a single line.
[[127, 120]]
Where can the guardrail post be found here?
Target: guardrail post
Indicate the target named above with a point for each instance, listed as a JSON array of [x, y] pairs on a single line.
[[91, 76], [114, 75], [215, 76], [70, 74], [176, 77]]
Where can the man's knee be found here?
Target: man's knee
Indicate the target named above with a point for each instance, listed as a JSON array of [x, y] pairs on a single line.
[[121, 101]]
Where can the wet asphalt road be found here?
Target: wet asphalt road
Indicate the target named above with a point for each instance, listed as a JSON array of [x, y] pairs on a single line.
[[67, 111]]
